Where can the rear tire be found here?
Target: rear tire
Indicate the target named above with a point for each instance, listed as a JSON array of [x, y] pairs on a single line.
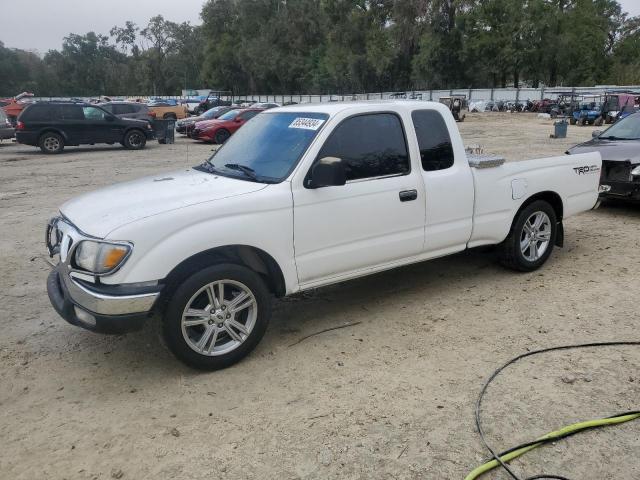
[[221, 136], [170, 116], [210, 328], [531, 239], [134, 140], [51, 143]]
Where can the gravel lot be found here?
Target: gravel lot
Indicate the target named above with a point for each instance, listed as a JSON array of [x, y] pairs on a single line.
[[389, 398]]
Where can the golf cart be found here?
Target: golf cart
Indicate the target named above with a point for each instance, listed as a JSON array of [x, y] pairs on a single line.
[[212, 100], [456, 103], [613, 104], [588, 110]]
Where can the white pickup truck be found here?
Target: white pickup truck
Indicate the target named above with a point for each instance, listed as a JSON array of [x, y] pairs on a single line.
[[300, 197]]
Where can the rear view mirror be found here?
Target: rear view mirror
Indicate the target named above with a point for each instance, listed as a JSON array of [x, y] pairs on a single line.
[[110, 118], [327, 172], [596, 133]]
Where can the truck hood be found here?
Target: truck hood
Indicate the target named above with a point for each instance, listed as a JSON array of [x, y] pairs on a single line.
[[100, 212], [616, 150]]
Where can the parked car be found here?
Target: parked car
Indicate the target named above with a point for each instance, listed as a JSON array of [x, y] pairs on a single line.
[[266, 105], [13, 106], [139, 111], [219, 130], [185, 125], [361, 187], [619, 146], [6, 128], [172, 102], [165, 110], [54, 125]]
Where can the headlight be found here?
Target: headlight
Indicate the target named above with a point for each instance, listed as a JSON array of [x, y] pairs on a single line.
[[636, 171], [100, 257]]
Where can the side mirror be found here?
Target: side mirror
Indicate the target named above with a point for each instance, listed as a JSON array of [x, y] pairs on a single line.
[[327, 172], [596, 133], [110, 118], [238, 120]]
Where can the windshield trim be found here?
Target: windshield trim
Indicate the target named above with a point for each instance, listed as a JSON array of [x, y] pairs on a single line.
[[294, 164]]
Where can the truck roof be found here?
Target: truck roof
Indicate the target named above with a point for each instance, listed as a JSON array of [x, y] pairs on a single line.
[[336, 107]]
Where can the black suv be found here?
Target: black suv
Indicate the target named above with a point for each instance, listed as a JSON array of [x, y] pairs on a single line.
[[52, 125]]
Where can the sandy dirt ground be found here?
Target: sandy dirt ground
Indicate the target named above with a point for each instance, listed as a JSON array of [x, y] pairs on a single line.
[[389, 398]]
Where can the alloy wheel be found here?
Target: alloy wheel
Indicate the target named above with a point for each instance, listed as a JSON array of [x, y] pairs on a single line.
[[535, 236], [219, 317]]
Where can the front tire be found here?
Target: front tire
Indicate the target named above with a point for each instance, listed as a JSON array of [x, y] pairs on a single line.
[[134, 140], [217, 316], [51, 143], [531, 239]]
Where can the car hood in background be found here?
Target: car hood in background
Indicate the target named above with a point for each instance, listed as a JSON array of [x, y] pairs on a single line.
[[100, 212], [208, 123], [620, 150], [189, 120]]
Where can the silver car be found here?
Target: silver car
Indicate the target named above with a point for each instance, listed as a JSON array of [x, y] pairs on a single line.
[[6, 129]]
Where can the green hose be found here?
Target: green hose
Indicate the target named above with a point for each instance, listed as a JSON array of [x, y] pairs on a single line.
[[563, 432]]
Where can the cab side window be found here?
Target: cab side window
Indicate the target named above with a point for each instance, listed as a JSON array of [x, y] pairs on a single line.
[[371, 145], [436, 150], [92, 113]]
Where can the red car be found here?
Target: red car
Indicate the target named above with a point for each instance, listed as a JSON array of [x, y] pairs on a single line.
[[220, 129], [13, 106]]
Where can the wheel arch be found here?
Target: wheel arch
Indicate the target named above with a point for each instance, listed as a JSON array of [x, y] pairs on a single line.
[[553, 199], [53, 130], [245, 255]]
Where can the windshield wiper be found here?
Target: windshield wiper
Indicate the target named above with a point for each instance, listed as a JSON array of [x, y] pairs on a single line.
[[248, 171], [613, 137], [209, 167]]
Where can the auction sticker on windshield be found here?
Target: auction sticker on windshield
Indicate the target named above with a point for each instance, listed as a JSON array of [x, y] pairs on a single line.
[[307, 123]]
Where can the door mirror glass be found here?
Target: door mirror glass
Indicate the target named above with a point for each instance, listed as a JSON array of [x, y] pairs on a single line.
[[327, 172], [596, 133]]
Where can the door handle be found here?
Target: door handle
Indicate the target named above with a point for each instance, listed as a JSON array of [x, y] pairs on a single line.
[[408, 195]]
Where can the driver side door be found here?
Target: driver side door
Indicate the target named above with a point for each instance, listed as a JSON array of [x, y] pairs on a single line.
[[376, 218]]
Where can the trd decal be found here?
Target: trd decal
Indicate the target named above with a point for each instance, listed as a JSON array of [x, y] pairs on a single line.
[[586, 169]]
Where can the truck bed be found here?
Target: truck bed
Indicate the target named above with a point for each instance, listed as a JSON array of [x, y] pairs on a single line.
[[501, 187]]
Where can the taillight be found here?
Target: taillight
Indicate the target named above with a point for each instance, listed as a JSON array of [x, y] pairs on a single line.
[[153, 114], [20, 126]]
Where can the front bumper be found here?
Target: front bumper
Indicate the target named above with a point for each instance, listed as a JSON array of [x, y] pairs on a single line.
[[621, 190], [95, 310]]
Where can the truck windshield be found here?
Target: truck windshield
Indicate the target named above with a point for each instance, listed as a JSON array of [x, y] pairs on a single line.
[[268, 147], [625, 129]]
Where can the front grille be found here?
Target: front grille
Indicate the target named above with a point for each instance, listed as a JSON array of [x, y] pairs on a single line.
[[616, 171]]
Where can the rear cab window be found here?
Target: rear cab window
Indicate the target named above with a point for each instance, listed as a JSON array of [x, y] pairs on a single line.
[[434, 142], [370, 145]]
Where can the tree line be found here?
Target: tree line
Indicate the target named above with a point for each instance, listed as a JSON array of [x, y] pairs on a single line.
[[342, 46]]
